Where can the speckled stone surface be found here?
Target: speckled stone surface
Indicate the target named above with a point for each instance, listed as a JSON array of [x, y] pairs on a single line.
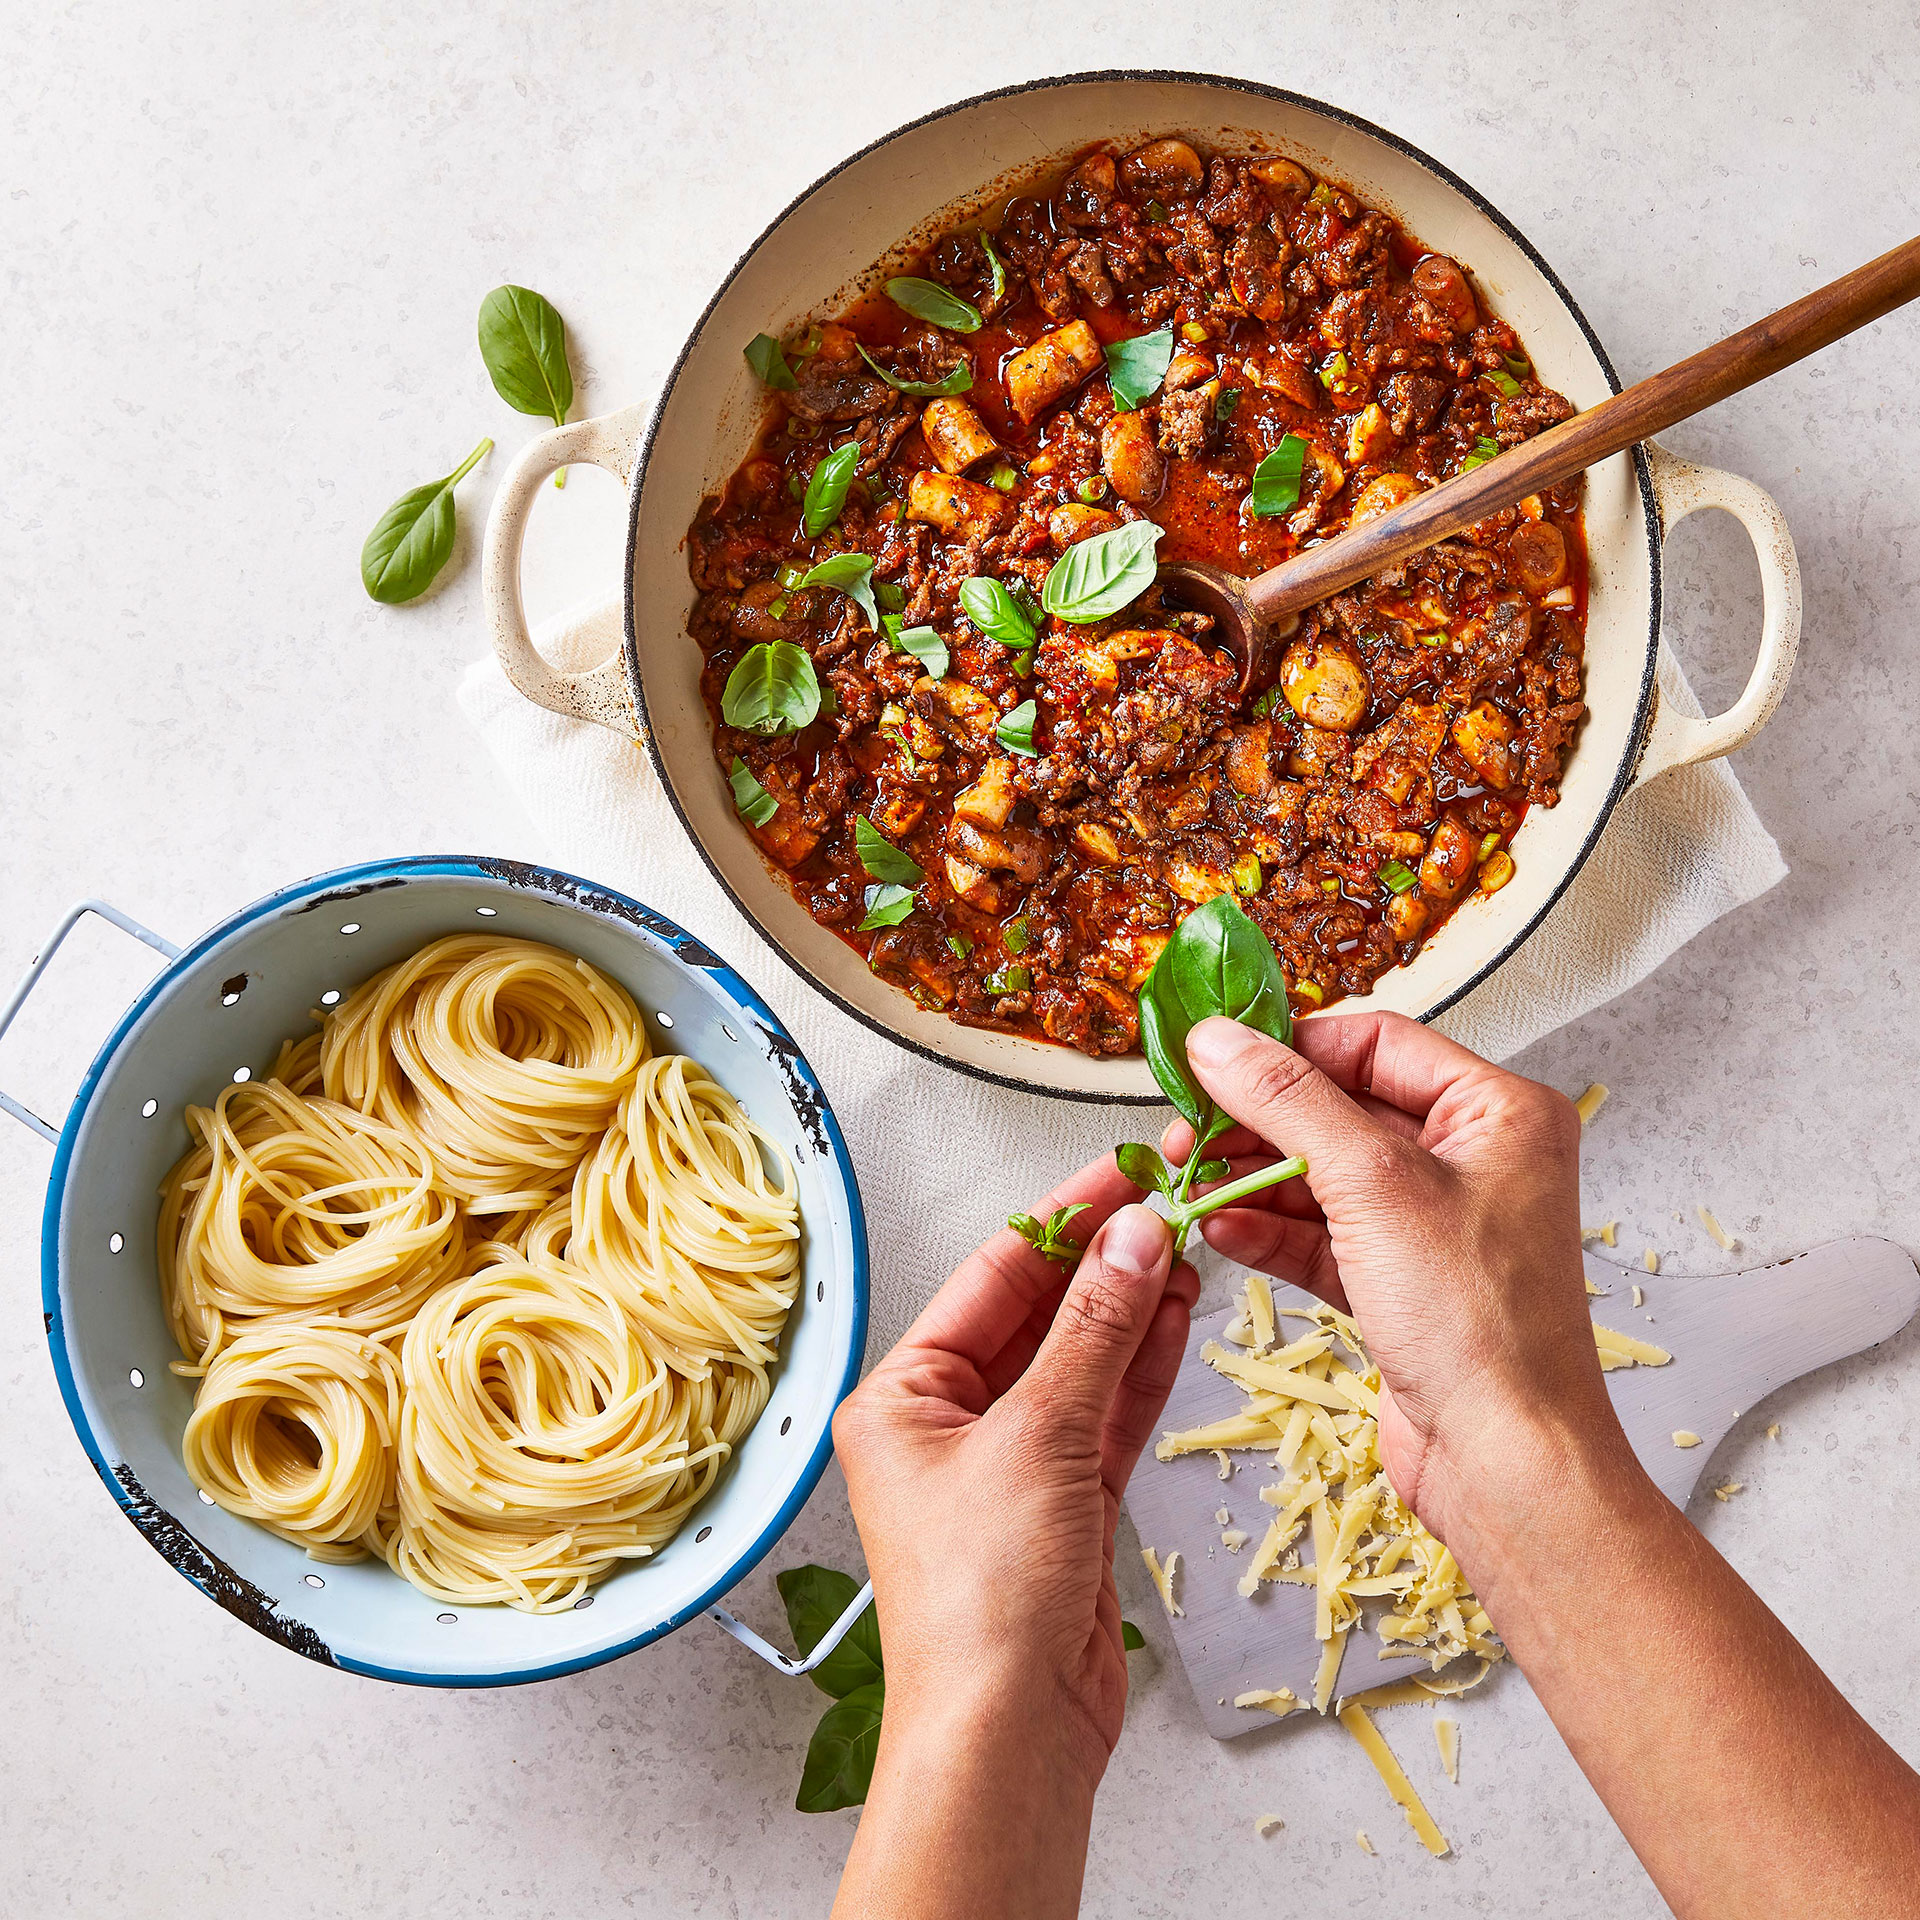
[[242, 252]]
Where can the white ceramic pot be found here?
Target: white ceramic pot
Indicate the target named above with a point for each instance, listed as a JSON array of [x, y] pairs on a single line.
[[820, 252]]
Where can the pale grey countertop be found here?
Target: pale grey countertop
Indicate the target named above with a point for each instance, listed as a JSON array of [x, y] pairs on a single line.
[[242, 250]]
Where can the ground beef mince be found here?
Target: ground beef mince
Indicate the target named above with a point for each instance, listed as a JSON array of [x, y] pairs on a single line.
[[1352, 806]]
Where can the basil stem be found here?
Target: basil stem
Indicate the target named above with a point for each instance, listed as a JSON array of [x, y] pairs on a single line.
[[414, 537], [1184, 1215]]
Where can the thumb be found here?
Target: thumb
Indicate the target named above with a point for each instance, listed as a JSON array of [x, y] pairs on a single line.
[[1295, 1108], [1102, 1319]]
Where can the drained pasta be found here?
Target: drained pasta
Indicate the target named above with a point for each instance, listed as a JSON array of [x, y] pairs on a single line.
[[475, 1282]]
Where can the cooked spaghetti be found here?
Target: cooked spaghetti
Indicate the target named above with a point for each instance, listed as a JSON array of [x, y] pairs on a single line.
[[475, 1282]]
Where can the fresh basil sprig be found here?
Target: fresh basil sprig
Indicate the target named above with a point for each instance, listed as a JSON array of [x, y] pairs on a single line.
[[923, 643], [769, 363], [1015, 731], [1096, 577], [839, 1763], [1276, 480], [523, 341], [412, 539], [956, 380], [882, 858], [887, 905], [751, 801], [772, 689], [1136, 367], [938, 306], [827, 489], [852, 573], [1217, 962], [1048, 1237], [997, 612]]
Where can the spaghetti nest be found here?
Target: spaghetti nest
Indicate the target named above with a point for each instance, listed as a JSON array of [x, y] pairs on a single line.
[[475, 1283]]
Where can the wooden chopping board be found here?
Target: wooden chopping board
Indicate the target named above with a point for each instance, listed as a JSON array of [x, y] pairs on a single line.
[[1734, 1337]]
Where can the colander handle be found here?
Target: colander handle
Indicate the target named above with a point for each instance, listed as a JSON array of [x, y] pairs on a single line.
[[792, 1662], [31, 979]]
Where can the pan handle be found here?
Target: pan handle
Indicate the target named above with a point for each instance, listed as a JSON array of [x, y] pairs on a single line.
[[792, 1662], [599, 694], [31, 979], [1679, 739]]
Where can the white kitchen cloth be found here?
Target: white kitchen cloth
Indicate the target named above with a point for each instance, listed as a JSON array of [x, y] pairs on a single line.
[[943, 1158]]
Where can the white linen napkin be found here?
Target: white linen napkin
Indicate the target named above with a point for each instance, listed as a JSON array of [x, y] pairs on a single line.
[[944, 1157]]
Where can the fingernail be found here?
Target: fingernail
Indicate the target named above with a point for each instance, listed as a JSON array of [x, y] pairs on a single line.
[[1217, 1042], [1135, 1241]]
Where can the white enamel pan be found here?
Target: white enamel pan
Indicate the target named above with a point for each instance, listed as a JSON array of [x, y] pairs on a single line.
[[819, 253]]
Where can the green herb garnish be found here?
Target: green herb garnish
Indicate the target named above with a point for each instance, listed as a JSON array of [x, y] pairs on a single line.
[[412, 540], [839, 1764], [1096, 577], [1048, 1237], [772, 689], [1225, 401], [1136, 367], [999, 283], [826, 492], [1015, 731], [938, 306], [751, 801], [882, 858], [956, 380], [1018, 935], [992, 608], [769, 363], [852, 574], [1276, 480], [887, 905], [1395, 877], [523, 341], [1484, 450], [923, 643]]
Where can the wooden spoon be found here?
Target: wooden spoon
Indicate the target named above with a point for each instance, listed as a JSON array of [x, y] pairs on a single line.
[[1256, 617]]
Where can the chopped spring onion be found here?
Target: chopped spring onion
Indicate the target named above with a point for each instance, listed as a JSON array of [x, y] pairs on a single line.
[[960, 944], [1311, 990], [1336, 369], [1091, 489], [1003, 477], [1018, 936], [790, 576], [1395, 877], [1245, 873], [1488, 844], [1010, 980], [1506, 383], [890, 594], [1484, 450], [1518, 365]]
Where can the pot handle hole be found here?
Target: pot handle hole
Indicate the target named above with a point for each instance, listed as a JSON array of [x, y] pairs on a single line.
[[1677, 737], [600, 693], [37, 966]]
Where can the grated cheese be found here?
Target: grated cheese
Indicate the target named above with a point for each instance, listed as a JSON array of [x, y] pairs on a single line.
[[1773, 1432], [1221, 1516], [1163, 1579], [1590, 1103], [1650, 1260], [1329, 1670], [1356, 1722], [1639, 1297], [1360, 1834], [1390, 1693], [1447, 1733], [1727, 1491], [1685, 1437], [1610, 1234], [1278, 1701], [1715, 1231], [1226, 1465], [1623, 1350], [1267, 1823], [1260, 1311], [1234, 1539]]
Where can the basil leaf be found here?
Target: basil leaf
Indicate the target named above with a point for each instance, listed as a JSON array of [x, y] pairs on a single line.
[[815, 1597], [839, 1766], [1276, 480], [412, 539], [1223, 964], [1099, 576], [852, 573], [998, 615], [772, 689], [751, 801], [523, 340], [827, 490], [1015, 731], [886, 907], [882, 858], [1164, 1026], [1136, 367], [1143, 1166], [938, 306], [1131, 1638], [1225, 401], [769, 363], [923, 643], [999, 285], [958, 380], [1209, 1171]]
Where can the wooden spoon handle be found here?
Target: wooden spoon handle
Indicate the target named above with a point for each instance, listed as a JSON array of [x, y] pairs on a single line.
[[1739, 361]]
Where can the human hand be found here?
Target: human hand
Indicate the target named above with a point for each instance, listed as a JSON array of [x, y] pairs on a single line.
[[985, 1458], [1440, 1207]]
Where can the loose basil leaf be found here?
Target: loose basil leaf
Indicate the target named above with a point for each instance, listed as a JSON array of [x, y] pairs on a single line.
[[887, 906], [839, 1766], [769, 363], [1143, 1166], [827, 490], [1097, 577], [751, 801], [1276, 480], [523, 340], [882, 858], [999, 285], [1395, 876], [923, 643], [815, 1597], [1484, 450], [958, 380], [998, 615], [1015, 731], [1223, 964], [1136, 367], [852, 573], [772, 689], [1225, 401], [1131, 1638], [412, 539], [938, 306]]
